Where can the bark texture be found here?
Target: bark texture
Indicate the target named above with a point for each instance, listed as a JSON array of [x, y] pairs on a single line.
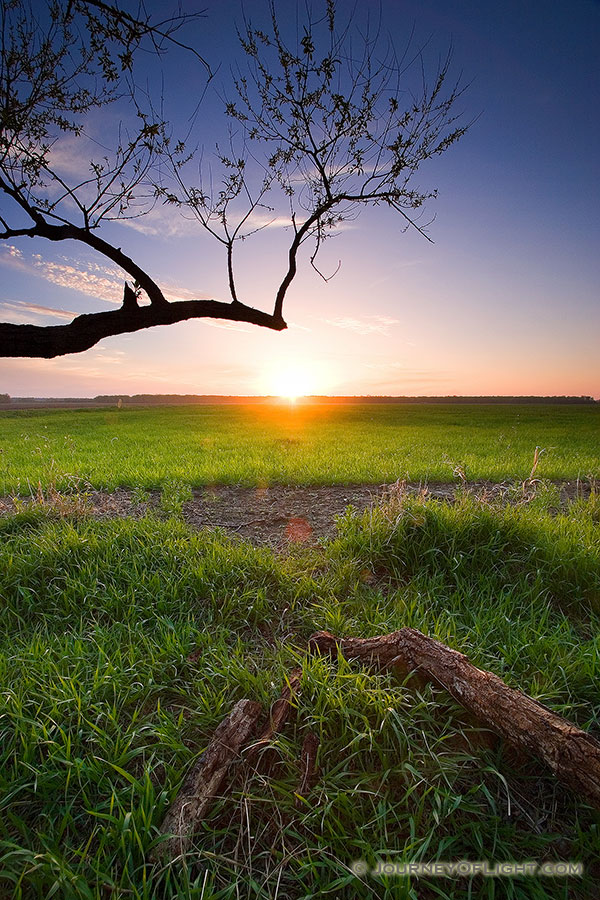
[[572, 754], [206, 777]]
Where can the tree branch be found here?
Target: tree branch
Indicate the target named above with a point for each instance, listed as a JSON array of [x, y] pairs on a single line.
[[573, 755], [72, 232], [48, 341], [300, 235], [330, 121]]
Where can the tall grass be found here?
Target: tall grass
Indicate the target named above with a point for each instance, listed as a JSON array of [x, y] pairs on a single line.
[[124, 643]]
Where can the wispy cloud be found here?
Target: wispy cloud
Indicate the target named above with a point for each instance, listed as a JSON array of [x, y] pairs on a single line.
[[263, 219], [164, 221], [171, 221], [102, 282], [107, 286], [91, 278], [174, 222], [365, 325], [20, 311], [71, 156], [97, 280], [176, 293], [267, 219]]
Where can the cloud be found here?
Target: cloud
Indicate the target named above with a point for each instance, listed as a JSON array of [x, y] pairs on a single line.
[[164, 221], [22, 311], [98, 281], [266, 219], [176, 293], [365, 325], [173, 222], [70, 157], [107, 287]]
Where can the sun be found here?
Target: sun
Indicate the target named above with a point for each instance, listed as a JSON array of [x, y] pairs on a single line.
[[295, 377], [293, 382]]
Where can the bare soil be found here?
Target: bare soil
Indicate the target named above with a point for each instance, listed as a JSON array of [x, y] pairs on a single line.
[[280, 516]]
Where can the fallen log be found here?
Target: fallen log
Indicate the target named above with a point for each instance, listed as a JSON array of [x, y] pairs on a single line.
[[205, 778], [571, 754], [258, 754], [308, 767]]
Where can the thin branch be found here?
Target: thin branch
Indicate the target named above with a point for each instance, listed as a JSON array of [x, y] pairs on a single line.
[[175, 22], [299, 237]]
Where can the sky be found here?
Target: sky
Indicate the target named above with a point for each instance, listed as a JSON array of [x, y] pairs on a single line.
[[505, 301]]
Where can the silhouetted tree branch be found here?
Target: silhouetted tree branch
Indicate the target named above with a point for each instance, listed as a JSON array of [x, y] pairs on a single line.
[[314, 123]]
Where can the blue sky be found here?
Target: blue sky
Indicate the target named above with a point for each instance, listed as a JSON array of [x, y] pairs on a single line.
[[506, 301]]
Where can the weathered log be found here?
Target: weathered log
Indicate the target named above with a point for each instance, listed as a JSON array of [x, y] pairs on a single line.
[[572, 754], [205, 778], [308, 767], [258, 754]]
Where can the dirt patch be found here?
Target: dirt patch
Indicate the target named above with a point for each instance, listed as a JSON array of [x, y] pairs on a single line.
[[280, 515]]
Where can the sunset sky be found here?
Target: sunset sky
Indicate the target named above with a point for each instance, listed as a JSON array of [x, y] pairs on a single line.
[[506, 301]]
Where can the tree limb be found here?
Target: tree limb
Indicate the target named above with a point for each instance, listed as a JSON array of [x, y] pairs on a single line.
[[206, 778], [572, 754], [331, 125], [48, 341]]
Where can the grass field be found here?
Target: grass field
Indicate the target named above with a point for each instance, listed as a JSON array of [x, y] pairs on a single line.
[[306, 444], [123, 644]]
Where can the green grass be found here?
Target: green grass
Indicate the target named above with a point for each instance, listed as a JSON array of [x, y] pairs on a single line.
[[307, 444], [102, 709]]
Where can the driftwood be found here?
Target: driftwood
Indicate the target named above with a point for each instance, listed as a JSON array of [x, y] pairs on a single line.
[[308, 767], [572, 754], [204, 780], [258, 754]]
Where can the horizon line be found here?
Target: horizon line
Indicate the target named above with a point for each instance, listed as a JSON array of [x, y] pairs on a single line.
[[115, 397]]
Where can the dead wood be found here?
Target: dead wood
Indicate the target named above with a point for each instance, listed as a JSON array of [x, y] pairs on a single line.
[[258, 755], [572, 754], [206, 777], [308, 767]]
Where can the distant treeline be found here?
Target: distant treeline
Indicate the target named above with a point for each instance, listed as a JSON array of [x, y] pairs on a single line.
[[196, 399]]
